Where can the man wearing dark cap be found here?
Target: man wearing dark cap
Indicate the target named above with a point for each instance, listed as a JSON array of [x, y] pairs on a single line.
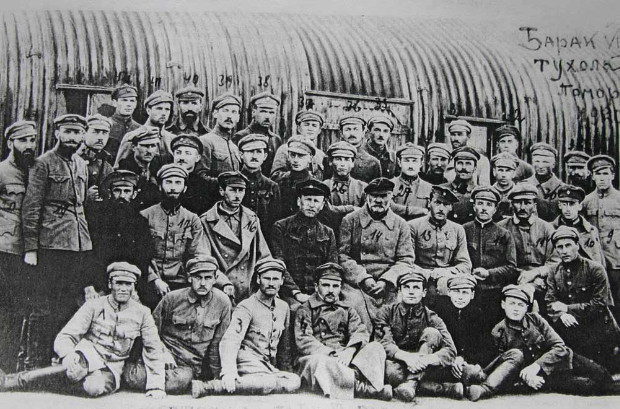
[[508, 141], [98, 160], [125, 101], [377, 145], [492, 253], [264, 108], [234, 235], [576, 170], [504, 166], [158, 108], [191, 323], [353, 129], [255, 348], [440, 244], [438, 156], [262, 195], [465, 161], [300, 152], [375, 247], [55, 231], [547, 183], [190, 103], [459, 133], [416, 341], [411, 193], [336, 356]]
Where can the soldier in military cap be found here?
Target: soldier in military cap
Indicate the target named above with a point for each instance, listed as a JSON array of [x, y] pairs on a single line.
[[411, 193], [417, 342], [353, 129], [380, 128], [234, 235], [300, 151], [262, 195], [544, 159], [336, 356], [158, 108], [459, 132], [438, 157], [576, 170], [440, 244], [264, 108], [190, 103], [125, 101], [508, 141], [255, 348], [465, 161], [98, 160], [504, 166]]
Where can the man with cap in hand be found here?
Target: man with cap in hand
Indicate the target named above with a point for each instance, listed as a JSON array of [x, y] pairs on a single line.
[[508, 141], [576, 170], [353, 130], [191, 323], [438, 155], [440, 244], [377, 145], [411, 193], [234, 235], [255, 348], [547, 183], [125, 101], [190, 103], [158, 108], [264, 114], [335, 355], [459, 132], [98, 160], [504, 166], [300, 151], [465, 161]]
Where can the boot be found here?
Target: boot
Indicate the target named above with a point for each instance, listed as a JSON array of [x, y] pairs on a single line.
[[200, 388], [502, 374], [406, 391], [22, 380], [364, 390], [472, 374], [477, 392], [448, 390]]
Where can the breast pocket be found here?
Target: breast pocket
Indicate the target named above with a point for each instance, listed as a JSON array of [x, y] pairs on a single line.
[[259, 337], [124, 340], [159, 240], [58, 187], [208, 330], [220, 160], [179, 244], [182, 328]]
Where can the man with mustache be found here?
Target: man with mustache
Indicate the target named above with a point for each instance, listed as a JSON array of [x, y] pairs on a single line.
[[56, 235], [576, 170], [438, 155], [508, 140], [504, 166], [336, 356], [301, 152], [98, 160], [125, 101], [353, 130], [411, 193], [255, 348], [189, 101], [264, 116], [459, 132], [377, 145], [234, 236], [465, 161], [543, 159]]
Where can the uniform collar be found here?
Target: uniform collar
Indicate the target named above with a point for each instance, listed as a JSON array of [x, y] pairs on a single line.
[[193, 298], [194, 126], [365, 218], [125, 119], [462, 187], [315, 302], [517, 221], [483, 225], [116, 306], [255, 127], [256, 175], [413, 310], [503, 190], [406, 180], [271, 304], [304, 221]]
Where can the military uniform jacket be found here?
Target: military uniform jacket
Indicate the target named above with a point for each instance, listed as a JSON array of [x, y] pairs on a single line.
[[280, 164], [126, 150], [262, 196], [104, 333], [400, 326], [504, 207], [288, 190], [537, 340], [273, 144], [603, 211], [303, 244], [192, 328], [219, 154], [547, 204], [589, 242], [12, 190], [493, 248], [121, 125], [236, 256], [386, 157], [345, 197], [257, 338], [411, 197], [201, 194], [482, 174], [53, 207], [147, 188], [98, 165], [380, 249], [366, 167], [524, 171], [462, 211], [195, 129]]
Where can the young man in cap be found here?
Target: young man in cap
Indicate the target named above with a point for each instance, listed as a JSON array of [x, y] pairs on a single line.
[[504, 166], [262, 195], [578, 301], [190, 103], [576, 170], [254, 349], [335, 355], [440, 244], [411, 193], [234, 236], [492, 252], [465, 161], [547, 183], [158, 108], [300, 152], [309, 126], [353, 130], [191, 323], [508, 140], [381, 127], [459, 132], [264, 115], [438, 155], [125, 101], [98, 160], [416, 341], [55, 231], [570, 199]]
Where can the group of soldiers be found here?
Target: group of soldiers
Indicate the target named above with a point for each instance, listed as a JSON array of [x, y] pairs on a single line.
[[174, 258]]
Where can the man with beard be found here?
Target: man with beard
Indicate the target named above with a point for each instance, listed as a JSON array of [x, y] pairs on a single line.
[[220, 154], [15, 278], [158, 107], [543, 159], [504, 166], [255, 348], [264, 114], [459, 133], [98, 160], [300, 151], [125, 101], [438, 155], [56, 235], [309, 126], [381, 127], [411, 193], [366, 166], [508, 140], [234, 236], [189, 101], [465, 161], [576, 170]]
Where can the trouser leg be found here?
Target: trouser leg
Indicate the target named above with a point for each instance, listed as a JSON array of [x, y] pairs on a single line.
[[586, 378]]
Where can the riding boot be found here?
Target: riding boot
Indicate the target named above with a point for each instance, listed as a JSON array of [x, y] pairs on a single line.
[[447, 390], [365, 390]]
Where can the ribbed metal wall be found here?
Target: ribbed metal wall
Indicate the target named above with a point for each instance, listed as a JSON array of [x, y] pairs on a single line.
[[442, 65]]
